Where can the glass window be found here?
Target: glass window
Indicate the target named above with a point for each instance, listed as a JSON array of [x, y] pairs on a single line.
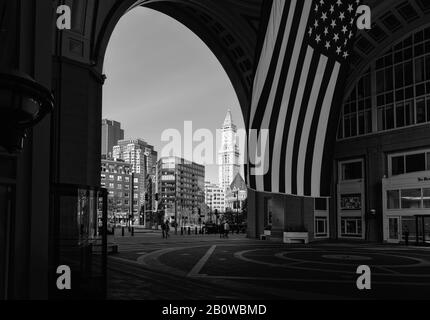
[[421, 111], [415, 162], [397, 165], [351, 227], [426, 198], [321, 226], [321, 204], [352, 171], [393, 199], [411, 199], [419, 69]]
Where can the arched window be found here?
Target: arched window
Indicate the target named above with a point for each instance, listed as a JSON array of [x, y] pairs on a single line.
[[393, 93]]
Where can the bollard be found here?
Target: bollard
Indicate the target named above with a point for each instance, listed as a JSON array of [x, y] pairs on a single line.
[[196, 230], [122, 231], [182, 231], [132, 231], [189, 230]]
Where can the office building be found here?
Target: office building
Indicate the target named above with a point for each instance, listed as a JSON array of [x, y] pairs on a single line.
[[111, 134]]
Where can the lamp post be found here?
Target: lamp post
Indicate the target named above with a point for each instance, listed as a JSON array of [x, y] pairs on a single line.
[[23, 104]]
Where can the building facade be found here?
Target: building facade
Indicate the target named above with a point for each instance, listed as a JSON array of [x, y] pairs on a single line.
[[228, 156], [380, 183], [215, 197], [111, 134], [142, 157], [181, 190], [236, 194], [117, 178]]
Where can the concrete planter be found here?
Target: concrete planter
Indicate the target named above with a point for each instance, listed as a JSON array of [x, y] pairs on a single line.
[[296, 237]]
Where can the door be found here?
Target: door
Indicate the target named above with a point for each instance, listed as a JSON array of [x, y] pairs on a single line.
[[394, 235]]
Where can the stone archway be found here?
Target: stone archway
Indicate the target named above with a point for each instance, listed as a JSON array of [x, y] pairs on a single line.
[[227, 28]]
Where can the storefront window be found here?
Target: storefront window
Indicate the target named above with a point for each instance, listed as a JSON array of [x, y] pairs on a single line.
[[426, 198], [351, 227], [411, 199], [393, 199], [321, 227]]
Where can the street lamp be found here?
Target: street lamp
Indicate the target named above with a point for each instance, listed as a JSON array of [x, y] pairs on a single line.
[[23, 104]]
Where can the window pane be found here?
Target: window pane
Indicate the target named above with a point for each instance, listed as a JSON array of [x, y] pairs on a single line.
[[393, 199], [321, 204], [381, 119], [399, 76], [361, 124], [400, 115], [389, 79], [398, 165], [408, 67], [421, 111], [415, 162], [410, 114], [390, 117], [380, 81], [426, 198], [419, 69], [352, 171], [411, 199]]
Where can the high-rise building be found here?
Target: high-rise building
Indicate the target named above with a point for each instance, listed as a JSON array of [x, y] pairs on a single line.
[[181, 189], [228, 156], [111, 134], [142, 157], [214, 197]]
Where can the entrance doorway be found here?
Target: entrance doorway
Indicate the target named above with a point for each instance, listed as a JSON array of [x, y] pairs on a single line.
[[394, 230]]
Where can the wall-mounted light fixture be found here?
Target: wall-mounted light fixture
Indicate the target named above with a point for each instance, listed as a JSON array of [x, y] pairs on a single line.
[[23, 104]]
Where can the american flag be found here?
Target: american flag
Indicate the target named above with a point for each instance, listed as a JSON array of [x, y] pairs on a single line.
[[302, 63]]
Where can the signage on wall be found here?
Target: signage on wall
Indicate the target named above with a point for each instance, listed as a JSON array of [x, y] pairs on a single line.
[[425, 179]]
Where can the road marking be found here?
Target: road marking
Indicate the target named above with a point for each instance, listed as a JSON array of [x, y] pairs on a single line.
[[196, 270]]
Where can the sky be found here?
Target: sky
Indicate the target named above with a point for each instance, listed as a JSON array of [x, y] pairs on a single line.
[[159, 75]]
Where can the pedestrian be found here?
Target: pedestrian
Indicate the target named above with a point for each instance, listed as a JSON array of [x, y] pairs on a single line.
[[167, 229], [226, 229], [406, 234], [163, 229], [221, 230]]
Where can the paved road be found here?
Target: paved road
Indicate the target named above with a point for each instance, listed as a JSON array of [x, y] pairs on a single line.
[[207, 267]]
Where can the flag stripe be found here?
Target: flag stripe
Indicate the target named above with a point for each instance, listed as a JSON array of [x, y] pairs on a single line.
[[321, 132], [314, 127], [258, 110], [295, 117], [270, 64], [301, 156], [266, 52], [300, 120], [274, 92], [277, 117]]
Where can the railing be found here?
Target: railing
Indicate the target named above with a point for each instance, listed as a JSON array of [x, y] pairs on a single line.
[[78, 238]]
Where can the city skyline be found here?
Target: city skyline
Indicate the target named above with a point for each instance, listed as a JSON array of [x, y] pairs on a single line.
[[167, 57]]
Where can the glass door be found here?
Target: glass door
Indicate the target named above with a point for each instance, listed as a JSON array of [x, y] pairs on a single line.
[[394, 235]]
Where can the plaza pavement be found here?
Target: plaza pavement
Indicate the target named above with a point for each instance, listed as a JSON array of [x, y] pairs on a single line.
[[202, 267]]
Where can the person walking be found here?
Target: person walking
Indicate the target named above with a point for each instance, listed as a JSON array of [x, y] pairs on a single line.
[[226, 229], [167, 229], [163, 230], [221, 230]]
